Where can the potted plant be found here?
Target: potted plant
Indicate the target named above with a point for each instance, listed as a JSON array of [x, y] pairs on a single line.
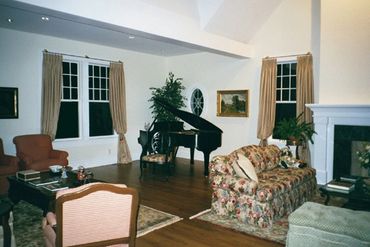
[[171, 92], [295, 131]]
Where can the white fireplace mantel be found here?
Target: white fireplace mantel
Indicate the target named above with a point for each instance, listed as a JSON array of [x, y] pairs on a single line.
[[325, 117]]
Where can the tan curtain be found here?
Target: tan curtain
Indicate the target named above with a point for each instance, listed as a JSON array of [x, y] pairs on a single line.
[[51, 93], [304, 96], [304, 86], [117, 103], [266, 115]]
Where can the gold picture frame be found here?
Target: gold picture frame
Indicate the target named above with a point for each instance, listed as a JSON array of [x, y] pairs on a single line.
[[233, 103]]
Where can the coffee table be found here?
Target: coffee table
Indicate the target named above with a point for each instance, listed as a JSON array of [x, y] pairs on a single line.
[[358, 199], [37, 195]]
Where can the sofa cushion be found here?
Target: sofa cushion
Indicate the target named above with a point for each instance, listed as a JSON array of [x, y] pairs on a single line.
[[262, 158], [280, 180], [244, 168]]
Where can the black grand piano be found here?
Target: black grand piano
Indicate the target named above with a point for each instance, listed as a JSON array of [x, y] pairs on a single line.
[[205, 138]]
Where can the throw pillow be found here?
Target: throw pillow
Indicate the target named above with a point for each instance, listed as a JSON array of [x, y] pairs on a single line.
[[244, 168]]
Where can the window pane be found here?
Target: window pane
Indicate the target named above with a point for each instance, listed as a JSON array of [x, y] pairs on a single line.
[[96, 83], [66, 80], [65, 67], [90, 82], [278, 93], [96, 95], [74, 68], [103, 83], [68, 120], [285, 95], [286, 69], [285, 82], [91, 96], [279, 69], [278, 80], [293, 95], [90, 70], [104, 95], [96, 70], [66, 93], [293, 82], [74, 80], [108, 84], [100, 119], [284, 110], [293, 68], [103, 71], [74, 93]]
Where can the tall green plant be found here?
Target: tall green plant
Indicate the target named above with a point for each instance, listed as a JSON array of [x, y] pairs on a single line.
[[171, 93], [295, 130]]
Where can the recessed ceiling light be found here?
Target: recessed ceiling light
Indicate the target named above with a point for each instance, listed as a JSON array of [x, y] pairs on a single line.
[[45, 18], [10, 20], [131, 36]]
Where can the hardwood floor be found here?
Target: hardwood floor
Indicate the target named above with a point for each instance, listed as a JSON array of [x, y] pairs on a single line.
[[185, 194]]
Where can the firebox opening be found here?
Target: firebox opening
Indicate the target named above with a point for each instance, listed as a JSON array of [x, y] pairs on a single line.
[[349, 139]]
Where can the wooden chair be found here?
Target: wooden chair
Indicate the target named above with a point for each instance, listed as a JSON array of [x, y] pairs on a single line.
[[160, 153], [96, 214], [36, 152]]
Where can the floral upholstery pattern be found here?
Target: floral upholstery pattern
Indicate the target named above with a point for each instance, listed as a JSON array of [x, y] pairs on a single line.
[[278, 192]]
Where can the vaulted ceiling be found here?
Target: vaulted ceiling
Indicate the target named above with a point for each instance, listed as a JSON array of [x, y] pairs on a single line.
[[160, 27]]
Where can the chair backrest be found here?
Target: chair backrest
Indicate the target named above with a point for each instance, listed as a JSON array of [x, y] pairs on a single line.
[[97, 214], [37, 146], [160, 142], [1, 148]]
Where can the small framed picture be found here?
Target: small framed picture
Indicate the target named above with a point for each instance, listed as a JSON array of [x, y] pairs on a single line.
[[8, 102], [232, 103]]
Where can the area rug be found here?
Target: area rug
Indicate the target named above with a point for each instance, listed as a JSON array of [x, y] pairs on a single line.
[[27, 223], [276, 233]]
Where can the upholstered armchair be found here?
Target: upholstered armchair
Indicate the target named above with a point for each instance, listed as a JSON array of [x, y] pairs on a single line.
[[96, 214], [36, 152], [8, 166]]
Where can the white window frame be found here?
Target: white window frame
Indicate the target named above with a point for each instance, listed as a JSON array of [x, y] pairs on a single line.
[[83, 98]]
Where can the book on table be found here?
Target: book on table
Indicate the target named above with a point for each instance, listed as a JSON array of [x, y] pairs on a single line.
[[55, 186], [350, 178], [341, 185], [41, 182]]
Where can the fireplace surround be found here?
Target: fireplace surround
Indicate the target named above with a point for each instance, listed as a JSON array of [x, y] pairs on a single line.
[[325, 118]]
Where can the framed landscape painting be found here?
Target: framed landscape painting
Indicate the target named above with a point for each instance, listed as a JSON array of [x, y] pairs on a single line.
[[232, 103]]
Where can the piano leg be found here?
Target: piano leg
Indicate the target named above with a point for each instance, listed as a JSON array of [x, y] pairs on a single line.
[[206, 162], [192, 156]]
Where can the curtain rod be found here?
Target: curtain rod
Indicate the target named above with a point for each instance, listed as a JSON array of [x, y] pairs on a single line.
[[293, 55], [86, 56]]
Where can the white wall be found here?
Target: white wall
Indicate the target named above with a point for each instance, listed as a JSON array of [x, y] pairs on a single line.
[[21, 66], [287, 31], [345, 52]]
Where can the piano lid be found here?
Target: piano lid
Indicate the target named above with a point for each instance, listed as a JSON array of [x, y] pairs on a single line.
[[190, 118]]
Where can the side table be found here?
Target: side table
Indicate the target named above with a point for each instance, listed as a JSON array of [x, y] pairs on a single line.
[[5, 207]]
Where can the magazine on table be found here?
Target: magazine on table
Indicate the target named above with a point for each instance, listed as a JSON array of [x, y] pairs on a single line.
[[55, 186]]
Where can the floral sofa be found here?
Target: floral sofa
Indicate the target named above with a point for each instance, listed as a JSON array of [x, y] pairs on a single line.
[[278, 192]]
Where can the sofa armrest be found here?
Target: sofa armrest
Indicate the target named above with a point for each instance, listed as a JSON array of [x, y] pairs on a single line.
[[221, 164], [58, 154]]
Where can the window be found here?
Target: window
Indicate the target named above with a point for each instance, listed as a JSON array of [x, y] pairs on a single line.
[[197, 102], [84, 110], [68, 121], [286, 81], [99, 112]]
